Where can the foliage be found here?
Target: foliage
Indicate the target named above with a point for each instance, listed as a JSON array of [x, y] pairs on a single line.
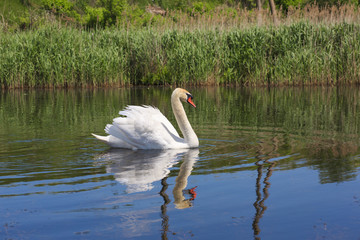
[[324, 3], [114, 9], [125, 44], [107, 13], [95, 17], [200, 7], [60, 7], [298, 54], [285, 4], [25, 14]]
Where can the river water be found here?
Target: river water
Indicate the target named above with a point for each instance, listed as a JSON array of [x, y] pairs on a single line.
[[278, 163]]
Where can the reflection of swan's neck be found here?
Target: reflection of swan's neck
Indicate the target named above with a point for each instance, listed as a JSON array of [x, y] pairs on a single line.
[[182, 179], [180, 185], [183, 122]]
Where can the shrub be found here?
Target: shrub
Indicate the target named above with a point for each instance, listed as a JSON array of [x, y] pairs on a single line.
[[95, 17], [60, 7]]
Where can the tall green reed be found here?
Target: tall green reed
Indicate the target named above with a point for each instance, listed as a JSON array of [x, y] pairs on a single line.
[[301, 53]]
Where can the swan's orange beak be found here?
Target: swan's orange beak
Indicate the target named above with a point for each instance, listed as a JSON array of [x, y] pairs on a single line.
[[189, 100]]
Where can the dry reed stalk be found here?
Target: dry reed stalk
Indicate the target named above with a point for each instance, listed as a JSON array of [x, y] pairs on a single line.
[[224, 18]]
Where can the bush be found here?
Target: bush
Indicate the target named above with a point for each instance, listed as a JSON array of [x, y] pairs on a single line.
[[60, 7], [95, 17], [285, 4], [114, 9]]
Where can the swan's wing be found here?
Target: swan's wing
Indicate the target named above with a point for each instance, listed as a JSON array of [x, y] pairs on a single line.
[[144, 127]]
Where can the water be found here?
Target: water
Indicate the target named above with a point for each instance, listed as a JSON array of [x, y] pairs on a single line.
[[273, 164]]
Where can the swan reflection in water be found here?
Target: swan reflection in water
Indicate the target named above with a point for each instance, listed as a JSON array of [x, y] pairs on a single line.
[[186, 167], [138, 170]]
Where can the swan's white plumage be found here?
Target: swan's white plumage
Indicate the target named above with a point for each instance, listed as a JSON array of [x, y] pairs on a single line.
[[145, 127], [142, 127]]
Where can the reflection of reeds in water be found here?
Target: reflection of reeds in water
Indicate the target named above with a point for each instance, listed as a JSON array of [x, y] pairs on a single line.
[[319, 123], [164, 216], [259, 204]]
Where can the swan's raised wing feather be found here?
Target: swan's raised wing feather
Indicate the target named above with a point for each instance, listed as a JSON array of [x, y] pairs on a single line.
[[144, 127]]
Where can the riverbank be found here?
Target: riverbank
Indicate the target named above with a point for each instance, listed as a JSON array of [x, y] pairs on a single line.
[[300, 53]]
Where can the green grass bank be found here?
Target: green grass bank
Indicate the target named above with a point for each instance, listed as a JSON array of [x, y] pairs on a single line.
[[301, 53]]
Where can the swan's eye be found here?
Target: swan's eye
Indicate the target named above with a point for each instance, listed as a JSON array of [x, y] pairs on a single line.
[[189, 96]]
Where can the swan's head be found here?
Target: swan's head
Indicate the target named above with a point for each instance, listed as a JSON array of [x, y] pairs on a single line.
[[184, 96]]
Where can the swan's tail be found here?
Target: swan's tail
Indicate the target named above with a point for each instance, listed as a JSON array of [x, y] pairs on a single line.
[[101, 138], [113, 141]]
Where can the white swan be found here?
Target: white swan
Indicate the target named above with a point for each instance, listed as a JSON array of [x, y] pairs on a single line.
[[145, 127]]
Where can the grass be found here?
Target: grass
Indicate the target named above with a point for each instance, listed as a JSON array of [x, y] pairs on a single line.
[[300, 50]]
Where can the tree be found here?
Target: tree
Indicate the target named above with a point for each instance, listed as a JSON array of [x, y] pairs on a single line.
[[107, 13], [273, 10], [114, 9], [259, 8]]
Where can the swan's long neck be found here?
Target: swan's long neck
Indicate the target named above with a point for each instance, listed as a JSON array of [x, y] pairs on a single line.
[[183, 122]]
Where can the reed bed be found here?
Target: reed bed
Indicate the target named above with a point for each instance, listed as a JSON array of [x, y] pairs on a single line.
[[293, 52], [226, 18]]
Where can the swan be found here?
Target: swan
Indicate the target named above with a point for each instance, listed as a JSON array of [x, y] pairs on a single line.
[[145, 127]]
